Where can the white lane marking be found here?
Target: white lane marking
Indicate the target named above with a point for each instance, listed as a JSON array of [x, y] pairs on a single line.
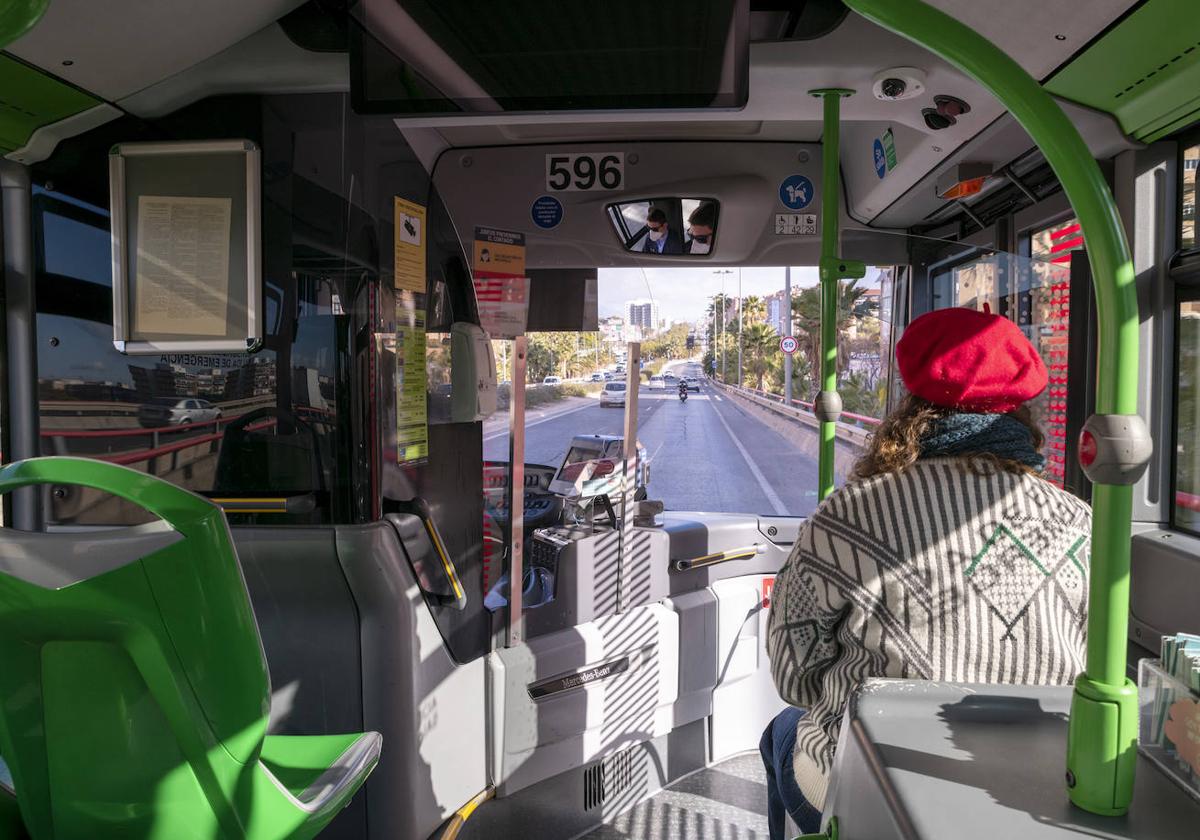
[[545, 419], [658, 449], [775, 501]]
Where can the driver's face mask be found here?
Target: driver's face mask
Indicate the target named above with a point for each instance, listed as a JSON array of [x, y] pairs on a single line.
[[657, 233], [701, 244]]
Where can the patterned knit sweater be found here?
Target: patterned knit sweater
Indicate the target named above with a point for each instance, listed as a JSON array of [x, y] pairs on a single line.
[[933, 573]]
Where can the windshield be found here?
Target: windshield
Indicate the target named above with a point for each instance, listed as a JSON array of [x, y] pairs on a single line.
[[732, 446]]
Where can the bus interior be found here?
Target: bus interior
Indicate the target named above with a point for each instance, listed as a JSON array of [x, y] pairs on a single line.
[[465, 253]]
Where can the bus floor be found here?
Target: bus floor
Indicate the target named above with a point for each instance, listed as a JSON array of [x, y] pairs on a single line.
[[727, 801]]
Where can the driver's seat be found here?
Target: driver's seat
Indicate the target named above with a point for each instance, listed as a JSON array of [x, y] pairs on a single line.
[[136, 696]]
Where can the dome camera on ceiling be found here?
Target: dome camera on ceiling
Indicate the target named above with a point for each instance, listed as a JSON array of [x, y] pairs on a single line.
[[898, 83]]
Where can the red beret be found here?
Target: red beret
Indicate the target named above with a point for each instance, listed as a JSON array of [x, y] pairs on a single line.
[[969, 360]]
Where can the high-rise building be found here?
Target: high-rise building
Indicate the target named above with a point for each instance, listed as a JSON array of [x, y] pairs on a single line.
[[777, 312], [643, 314]]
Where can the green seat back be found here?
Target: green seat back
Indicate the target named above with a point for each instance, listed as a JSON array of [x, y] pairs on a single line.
[[133, 681]]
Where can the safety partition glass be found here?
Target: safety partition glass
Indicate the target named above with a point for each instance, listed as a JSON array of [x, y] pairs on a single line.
[[668, 227], [231, 426]]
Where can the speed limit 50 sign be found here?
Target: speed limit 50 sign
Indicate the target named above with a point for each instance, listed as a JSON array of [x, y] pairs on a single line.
[[788, 344]]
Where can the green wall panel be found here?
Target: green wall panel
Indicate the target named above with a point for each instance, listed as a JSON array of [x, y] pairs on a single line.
[[1145, 71], [29, 99]]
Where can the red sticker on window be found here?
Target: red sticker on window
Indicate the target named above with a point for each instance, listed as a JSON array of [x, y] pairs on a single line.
[[767, 585]]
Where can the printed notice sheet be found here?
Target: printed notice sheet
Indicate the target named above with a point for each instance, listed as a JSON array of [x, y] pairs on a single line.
[[410, 246], [412, 424], [182, 285]]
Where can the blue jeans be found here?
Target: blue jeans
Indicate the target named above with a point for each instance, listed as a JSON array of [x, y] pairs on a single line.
[[783, 794]]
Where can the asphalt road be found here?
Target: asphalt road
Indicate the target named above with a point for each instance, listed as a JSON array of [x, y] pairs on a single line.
[[708, 454]]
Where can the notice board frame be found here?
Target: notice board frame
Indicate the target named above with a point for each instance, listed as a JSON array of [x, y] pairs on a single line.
[[206, 169]]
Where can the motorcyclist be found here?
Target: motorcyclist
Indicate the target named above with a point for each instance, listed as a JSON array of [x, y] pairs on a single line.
[[683, 389]]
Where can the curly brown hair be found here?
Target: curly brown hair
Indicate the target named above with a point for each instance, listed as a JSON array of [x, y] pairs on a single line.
[[896, 444]]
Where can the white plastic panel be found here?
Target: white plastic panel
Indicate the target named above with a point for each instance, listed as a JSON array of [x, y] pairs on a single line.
[[497, 186], [745, 699], [429, 708], [118, 47], [538, 739], [697, 613], [1039, 34]]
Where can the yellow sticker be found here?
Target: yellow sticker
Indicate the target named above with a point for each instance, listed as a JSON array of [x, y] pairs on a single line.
[[499, 252], [410, 246]]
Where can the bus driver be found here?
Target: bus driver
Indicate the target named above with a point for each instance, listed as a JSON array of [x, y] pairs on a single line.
[[947, 556]]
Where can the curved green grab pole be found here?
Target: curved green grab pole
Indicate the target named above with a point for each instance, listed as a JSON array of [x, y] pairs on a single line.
[[833, 269], [1101, 748], [19, 16]]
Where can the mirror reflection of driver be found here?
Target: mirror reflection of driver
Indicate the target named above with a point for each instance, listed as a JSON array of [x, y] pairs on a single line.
[[701, 223], [661, 239]]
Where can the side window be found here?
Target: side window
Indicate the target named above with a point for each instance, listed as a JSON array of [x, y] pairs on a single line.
[[970, 284], [1049, 268], [1032, 290], [1187, 212], [1187, 419]]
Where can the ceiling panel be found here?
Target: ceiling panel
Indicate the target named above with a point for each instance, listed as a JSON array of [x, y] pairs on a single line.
[[1039, 34], [114, 48]]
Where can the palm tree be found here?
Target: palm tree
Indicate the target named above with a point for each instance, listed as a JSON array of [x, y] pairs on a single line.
[[754, 310], [758, 342], [806, 312]]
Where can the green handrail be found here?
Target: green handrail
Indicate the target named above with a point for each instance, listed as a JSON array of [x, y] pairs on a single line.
[[1102, 735], [833, 269], [18, 16]]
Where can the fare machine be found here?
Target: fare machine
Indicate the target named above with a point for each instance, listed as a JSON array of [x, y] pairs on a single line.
[[575, 569]]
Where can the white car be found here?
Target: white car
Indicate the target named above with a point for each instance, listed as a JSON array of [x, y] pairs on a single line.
[[552, 380], [613, 394], [657, 383]]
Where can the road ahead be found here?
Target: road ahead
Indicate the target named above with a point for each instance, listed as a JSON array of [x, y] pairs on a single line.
[[711, 453]]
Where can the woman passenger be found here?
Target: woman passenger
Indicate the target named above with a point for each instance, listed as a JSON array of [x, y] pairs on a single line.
[[946, 557]]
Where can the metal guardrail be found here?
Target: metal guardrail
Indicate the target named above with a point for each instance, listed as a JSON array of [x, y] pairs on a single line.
[[802, 411]]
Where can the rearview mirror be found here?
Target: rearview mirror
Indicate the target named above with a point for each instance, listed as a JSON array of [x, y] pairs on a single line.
[[669, 227]]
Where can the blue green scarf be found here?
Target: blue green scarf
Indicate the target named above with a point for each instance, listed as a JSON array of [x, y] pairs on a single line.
[[970, 434]]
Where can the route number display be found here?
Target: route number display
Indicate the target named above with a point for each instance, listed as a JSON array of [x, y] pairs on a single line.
[[585, 172], [788, 344]]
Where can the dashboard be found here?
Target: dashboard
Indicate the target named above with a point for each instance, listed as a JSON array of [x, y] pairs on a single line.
[[542, 508]]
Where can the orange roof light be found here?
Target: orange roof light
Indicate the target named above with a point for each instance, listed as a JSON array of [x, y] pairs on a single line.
[[964, 188], [962, 180]]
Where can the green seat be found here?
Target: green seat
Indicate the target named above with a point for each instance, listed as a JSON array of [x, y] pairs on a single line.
[[134, 695]]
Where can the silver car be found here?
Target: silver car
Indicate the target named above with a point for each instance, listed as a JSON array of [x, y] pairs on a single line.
[[177, 411], [613, 394]]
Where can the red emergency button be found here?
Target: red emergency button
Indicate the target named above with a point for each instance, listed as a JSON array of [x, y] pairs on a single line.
[[1087, 448]]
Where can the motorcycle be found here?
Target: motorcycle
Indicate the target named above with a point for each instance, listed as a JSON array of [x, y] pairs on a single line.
[[683, 393]]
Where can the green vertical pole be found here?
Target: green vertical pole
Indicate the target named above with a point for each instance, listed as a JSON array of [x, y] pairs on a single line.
[[832, 269], [1102, 736]]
